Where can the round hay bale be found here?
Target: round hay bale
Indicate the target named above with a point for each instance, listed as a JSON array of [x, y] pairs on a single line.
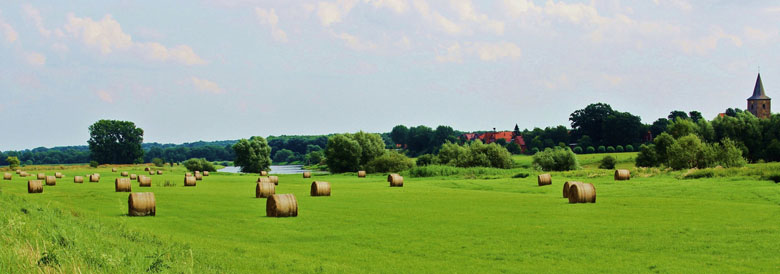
[[320, 188], [34, 186], [197, 172], [18, 172], [198, 176], [7, 176], [274, 179], [205, 173], [41, 176], [147, 169], [281, 205], [263, 173], [58, 175], [113, 169], [159, 172], [362, 174], [187, 174], [622, 175], [78, 179], [265, 189], [567, 186], [141, 204], [395, 180], [264, 180], [544, 179], [189, 181], [133, 176], [122, 185], [144, 181], [94, 178], [51, 180], [582, 193], [24, 174], [125, 174], [151, 172], [306, 174]]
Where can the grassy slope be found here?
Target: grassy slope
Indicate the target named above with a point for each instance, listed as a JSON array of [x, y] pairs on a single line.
[[439, 224]]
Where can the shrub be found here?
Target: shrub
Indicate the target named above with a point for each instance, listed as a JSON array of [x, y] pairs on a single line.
[[391, 161], [158, 162], [629, 148], [772, 177], [702, 173], [475, 154], [578, 149], [608, 162], [521, 175], [199, 164], [619, 148], [426, 159], [557, 159], [93, 164], [514, 148], [253, 155], [13, 162], [730, 155], [342, 153], [590, 150], [534, 150], [602, 149], [611, 149], [647, 156]]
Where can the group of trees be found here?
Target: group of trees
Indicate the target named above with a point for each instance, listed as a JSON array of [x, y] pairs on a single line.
[[298, 149], [472, 154], [42, 155], [352, 152], [422, 139], [689, 151]]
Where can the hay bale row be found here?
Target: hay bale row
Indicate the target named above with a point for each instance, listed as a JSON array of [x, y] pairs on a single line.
[[122, 185], [34, 186], [622, 175], [51, 180], [144, 181], [362, 174], [58, 175], [7, 176], [41, 176], [24, 174], [395, 180], [198, 176], [189, 180], [78, 179], [306, 174], [544, 179], [281, 205], [141, 204], [125, 174], [265, 189], [582, 193], [320, 188]]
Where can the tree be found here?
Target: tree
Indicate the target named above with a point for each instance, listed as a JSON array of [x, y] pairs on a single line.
[[158, 162], [420, 139], [695, 116], [682, 127], [371, 146], [342, 153], [516, 132], [659, 126], [590, 120], [116, 142], [13, 162], [390, 161], [199, 164], [608, 162], [253, 155], [314, 157], [514, 148], [557, 159], [283, 155], [400, 134], [677, 114], [443, 134], [662, 143]]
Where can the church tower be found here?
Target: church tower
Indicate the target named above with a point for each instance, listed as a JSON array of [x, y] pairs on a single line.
[[759, 104]]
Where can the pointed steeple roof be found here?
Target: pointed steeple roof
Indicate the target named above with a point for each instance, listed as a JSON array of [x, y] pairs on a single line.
[[758, 91]]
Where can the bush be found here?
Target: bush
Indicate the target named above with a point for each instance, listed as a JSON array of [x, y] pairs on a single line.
[[629, 148], [521, 175], [199, 164], [253, 155], [283, 156], [647, 156], [590, 150], [772, 177], [514, 148], [557, 159], [158, 162], [602, 149], [534, 151], [391, 161], [611, 149], [702, 173], [13, 162], [619, 148], [578, 150], [426, 159], [608, 162], [93, 164], [475, 154]]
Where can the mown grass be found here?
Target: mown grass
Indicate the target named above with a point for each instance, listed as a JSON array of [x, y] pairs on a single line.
[[655, 222]]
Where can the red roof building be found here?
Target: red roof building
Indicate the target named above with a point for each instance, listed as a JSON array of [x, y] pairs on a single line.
[[490, 137]]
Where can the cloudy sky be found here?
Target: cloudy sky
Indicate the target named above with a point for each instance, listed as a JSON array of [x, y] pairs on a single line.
[[214, 70]]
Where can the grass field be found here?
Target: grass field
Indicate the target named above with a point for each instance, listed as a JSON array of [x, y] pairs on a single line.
[[655, 222]]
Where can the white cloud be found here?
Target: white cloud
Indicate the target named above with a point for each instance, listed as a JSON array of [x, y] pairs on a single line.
[[332, 12], [466, 11], [105, 96], [399, 6], [268, 17], [519, 8], [404, 43], [679, 4], [8, 31], [576, 13], [35, 59], [439, 20], [206, 85], [708, 43], [59, 47], [107, 36], [613, 80], [760, 36], [355, 42], [35, 15], [452, 54], [495, 51]]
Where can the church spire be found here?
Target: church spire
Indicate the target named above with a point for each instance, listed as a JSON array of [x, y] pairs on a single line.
[[758, 91]]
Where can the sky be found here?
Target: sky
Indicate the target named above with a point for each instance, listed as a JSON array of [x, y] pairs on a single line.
[[217, 70]]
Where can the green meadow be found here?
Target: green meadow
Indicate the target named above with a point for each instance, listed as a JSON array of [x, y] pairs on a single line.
[[474, 221]]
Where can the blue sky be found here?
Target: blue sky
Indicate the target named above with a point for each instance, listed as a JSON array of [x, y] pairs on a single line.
[[214, 70]]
